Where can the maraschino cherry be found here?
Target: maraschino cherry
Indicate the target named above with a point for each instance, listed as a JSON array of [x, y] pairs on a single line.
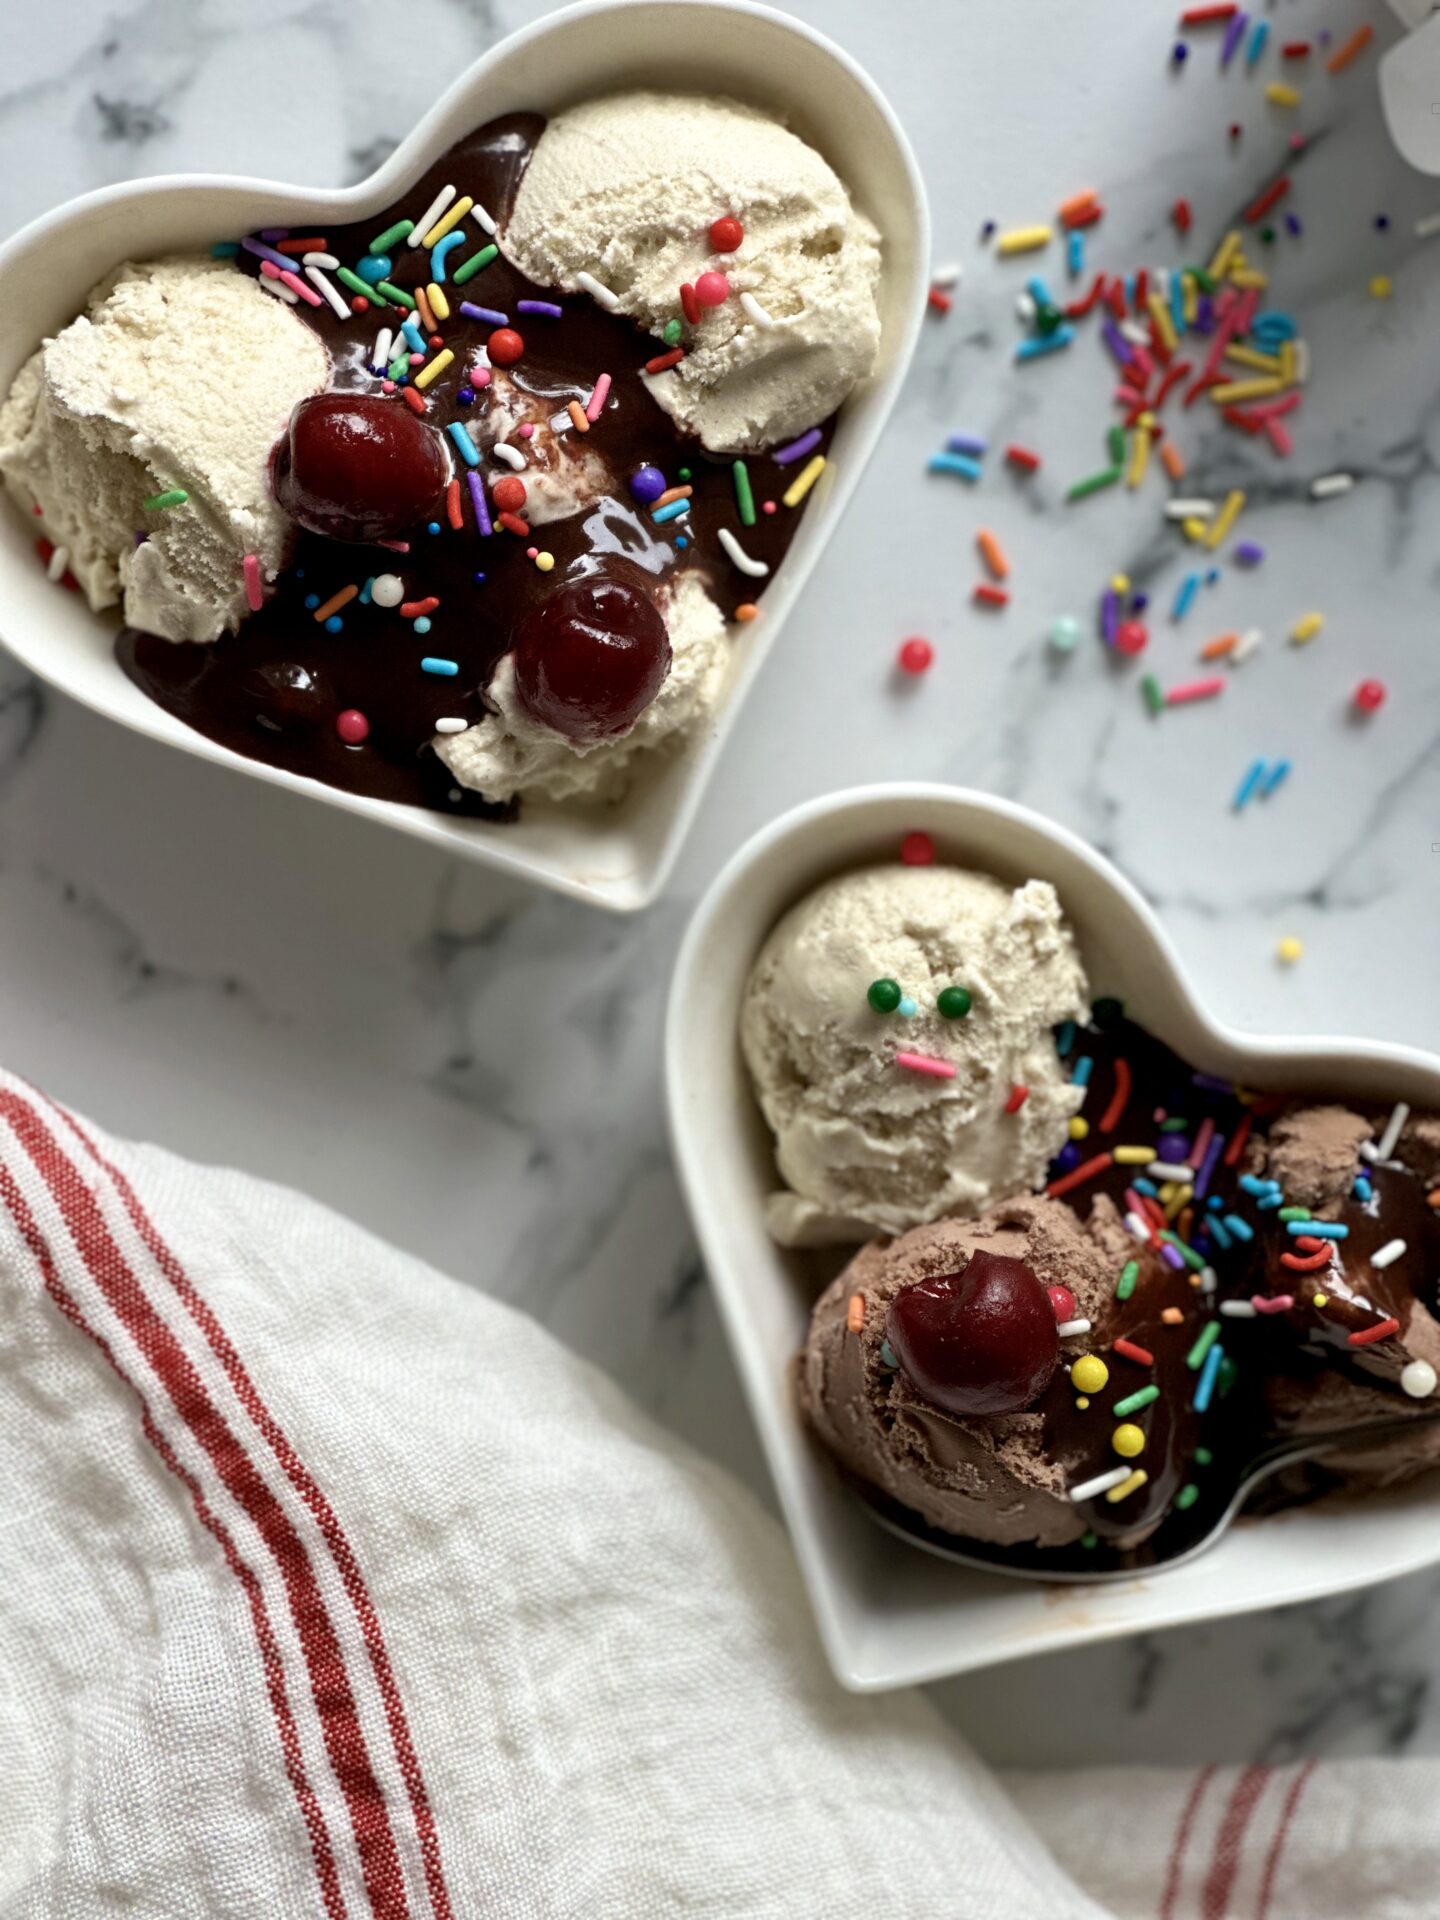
[[979, 1341], [591, 657], [357, 467]]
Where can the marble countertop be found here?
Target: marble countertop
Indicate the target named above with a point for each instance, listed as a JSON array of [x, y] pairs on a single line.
[[250, 978]]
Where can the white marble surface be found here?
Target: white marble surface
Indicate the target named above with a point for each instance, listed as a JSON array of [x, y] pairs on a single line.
[[248, 977]]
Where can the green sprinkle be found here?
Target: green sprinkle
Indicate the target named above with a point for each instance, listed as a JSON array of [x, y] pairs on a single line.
[[1294, 1213], [744, 499], [353, 282], [673, 333], [1187, 1496], [1125, 1285], [1107, 1010], [383, 242], [1093, 484], [1203, 1456], [1187, 1254], [1089, 1539], [397, 296], [1227, 1376], [1173, 1126], [398, 368], [1133, 1402], [887, 1356], [1154, 694], [1115, 440], [1202, 279], [473, 265], [173, 497], [1209, 1334]]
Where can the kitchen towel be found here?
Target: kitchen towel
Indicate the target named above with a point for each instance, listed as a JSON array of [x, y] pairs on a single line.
[[329, 1587]]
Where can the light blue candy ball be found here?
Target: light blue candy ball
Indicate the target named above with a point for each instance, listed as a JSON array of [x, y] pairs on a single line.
[[374, 267], [1065, 634]]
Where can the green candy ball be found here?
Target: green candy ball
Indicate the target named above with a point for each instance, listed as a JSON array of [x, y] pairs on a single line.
[[953, 1003], [884, 995]]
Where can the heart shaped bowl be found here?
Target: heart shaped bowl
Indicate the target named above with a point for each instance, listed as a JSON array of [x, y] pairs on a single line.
[[616, 857], [892, 1615]]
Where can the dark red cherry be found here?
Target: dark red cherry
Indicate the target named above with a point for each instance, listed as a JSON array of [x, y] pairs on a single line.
[[354, 466], [591, 657], [979, 1341]]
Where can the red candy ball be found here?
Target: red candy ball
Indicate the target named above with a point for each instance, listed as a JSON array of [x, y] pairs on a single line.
[[508, 493], [917, 850], [352, 726], [1063, 1301], [504, 346], [916, 656], [977, 1342], [591, 657], [1131, 636], [726, 234], [712, 289], [1370, 695], [354, 466]]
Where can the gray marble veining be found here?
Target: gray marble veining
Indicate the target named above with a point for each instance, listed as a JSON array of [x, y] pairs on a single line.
[[474, 1070]]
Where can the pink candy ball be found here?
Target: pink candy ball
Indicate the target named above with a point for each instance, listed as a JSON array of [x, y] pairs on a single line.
[[352, 726], [712, 289]]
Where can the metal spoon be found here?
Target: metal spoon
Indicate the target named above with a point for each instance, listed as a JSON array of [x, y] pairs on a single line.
[[1047, 1564]]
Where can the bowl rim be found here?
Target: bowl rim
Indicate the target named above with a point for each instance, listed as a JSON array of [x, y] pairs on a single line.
[[622, 887]]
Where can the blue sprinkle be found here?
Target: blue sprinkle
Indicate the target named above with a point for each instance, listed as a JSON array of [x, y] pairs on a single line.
[[1241, 1229], [224, 249], [1045, 343], [413, 336], [1248, 787], [1205, 1388], [445, 245], [1084, 1067], [1075, 251], [1038, 291], [1275, 778], [299, 573], [1139, 602], [954, 463], [1250, 1183], [365, 591], [1270, 1200], [671, 512], [1259, 34], [1222, 1238], [312, 600], [1318, 1229], [434, 527], [334, 623], [446, 669], [1212, 574], [681, 541], [1147, 1187], [1065, 1038], [1180, 53], [422, 623], [465, 446], [1189, 587]]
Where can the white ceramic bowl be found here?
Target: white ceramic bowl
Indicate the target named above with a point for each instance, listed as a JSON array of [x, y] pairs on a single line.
[[891, 1615], [618, 857]]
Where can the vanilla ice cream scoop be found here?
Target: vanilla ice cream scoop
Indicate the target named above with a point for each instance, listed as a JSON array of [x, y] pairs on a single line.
[[625, 190], [180, 374], [890, 1024]]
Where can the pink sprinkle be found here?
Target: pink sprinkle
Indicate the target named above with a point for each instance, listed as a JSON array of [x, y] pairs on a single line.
[[1279, 437], [1194, 690], [387, 386], [416, 359], [1269, 409], [395, 546], [1204, 1133], [598, 397], [297, 285], [525, 429], [1276, 1303], [926, 1063], [254, 587]]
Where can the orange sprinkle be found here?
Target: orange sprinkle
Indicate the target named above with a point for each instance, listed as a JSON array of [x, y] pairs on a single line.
[[1348, 50], [671, 493], [416, 402], [422, 307], [580, 420], [1185, 1222], [1077, 205], [855, 1314], [1217, 649], [336, 601], [1432, 1199], [1172, 1316], [1110, 1119], [1170, 459], [412, 609], [512, 523], [747, 610], [452, 504], [992, 553], [316, 244]]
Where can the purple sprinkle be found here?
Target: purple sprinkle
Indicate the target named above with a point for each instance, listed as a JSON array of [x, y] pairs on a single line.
[[275, 233], [1248, 554], [1109, 616], [141, 536], [1172, 1256], [1117, 343], [482, 512], [1139, 602], [547, 307], [987, 229], [267, 253], [1211, 1083], [1209, 1164], [797, 449], [971, 443], [1234, 34], [490, 315], [1204, 314], [1292, 223]]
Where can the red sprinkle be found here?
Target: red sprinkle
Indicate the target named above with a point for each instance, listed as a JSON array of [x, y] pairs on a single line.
[[1263, 202], [940, 300], [452, 505], [415, 401], [1180, 214], [1018, 1096], [1140, 1355], [1077, 309], [991, 596], [1084, 216], [1110, 1119], [689, 303], [1077, 1176], [1295, 49], [664, 361], [1305, 1262], [1311, 1243], [1142, 289], [917, 850], [313, 245], [1115, 297], [512, 523], [412, 609], [1174, 374], [1369, 1335], [1236, 1147], [1203, 16], [1022, 457]]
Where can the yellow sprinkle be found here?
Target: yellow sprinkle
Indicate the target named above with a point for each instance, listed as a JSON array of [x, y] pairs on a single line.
[[1195, 1280], [1194, 529], [545, 562], [1191, 305], [439, 305], [1175, 1207], [1132, 1156], [1079, 1127], [1322, 1299], [1289, 951], [1024, 239], [1224, 254], [1167, 1193], [1381, 287], [1128, 1440], [450, 218], [1287, 362], [1139, 454], [438, 365], [806, 479], [1283, 96], [1224, 520], [1249, 277], [1089, 1373], [1306, 627], [1249, 357], [1127, 1487], [1164, 325], [1234, 391]]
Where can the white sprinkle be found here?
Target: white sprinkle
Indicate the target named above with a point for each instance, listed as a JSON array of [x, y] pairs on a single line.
[[1170, 1171], [1135, 333], [1189, 509], [1025, 309], [1237, 1309], [1208, 1282], [1418, 1379], [561, 423], [1302, 362], [1428, 227], [1394, 1127], [326, 286], [280, 290], [757, 569], [1387, 1255], [451, 726], [59, 561], [1069, 1329], [1248, 642], [947, 275], [587, 283], [512, 456], [381, 355], [1102, 1483], [431, 214], [482, 219], [1137, 1227], [755, 313], [1328, 485], [321, 260]]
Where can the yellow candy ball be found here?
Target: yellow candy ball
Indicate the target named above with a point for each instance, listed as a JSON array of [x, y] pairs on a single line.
[[1128, 1440], [1089, 1373], [1289, 950], [1381, 287], [1321, 1299], [1079, 1127], [545, 561], [1082, 1402]]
